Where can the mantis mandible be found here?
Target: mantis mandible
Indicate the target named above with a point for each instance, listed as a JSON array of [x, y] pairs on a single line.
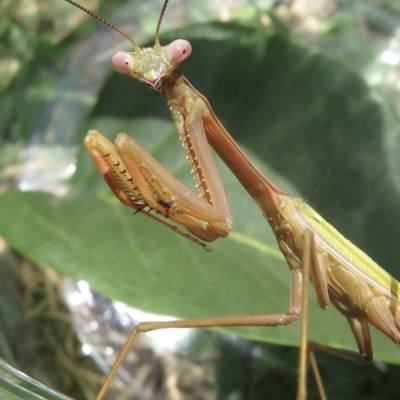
[[341, 273]]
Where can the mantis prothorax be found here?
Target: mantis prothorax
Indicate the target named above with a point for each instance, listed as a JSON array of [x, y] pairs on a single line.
[[341, 273]]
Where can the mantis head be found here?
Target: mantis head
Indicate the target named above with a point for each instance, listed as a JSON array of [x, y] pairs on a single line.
[[151, 65]]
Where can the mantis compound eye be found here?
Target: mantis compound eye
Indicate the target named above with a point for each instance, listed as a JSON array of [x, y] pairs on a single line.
[[122, 62], [178, 51]]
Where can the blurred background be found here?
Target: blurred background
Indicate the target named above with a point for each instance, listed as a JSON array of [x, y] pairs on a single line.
[[309, 89]]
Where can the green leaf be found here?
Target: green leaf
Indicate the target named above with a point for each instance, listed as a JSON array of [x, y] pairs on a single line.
[[132, 259], [16, 385]]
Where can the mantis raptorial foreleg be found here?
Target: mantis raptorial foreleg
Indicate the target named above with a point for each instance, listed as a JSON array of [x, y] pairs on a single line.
[[341, 273], [140, 182]]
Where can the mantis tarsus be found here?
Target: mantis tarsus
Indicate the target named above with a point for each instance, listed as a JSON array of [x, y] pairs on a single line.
[[341, 273]]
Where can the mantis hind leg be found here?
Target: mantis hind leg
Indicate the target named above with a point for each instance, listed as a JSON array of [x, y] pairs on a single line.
[[361, 332], [314, 266], [374, 310]]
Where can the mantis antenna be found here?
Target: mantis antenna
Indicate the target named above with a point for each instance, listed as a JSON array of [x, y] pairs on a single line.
[[110, 25], [164, 7]]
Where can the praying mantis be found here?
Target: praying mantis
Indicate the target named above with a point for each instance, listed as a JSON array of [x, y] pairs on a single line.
[[342, 274]]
